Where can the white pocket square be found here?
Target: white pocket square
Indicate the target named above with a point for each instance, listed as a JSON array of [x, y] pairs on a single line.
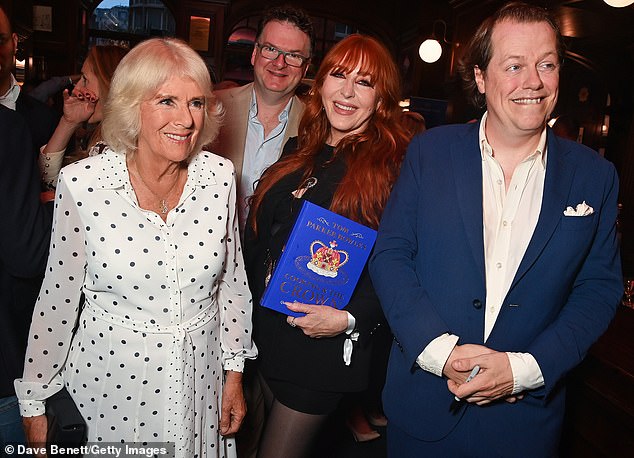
[[582, 209]]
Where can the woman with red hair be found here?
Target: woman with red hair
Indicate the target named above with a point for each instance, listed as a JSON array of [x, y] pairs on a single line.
[[346, 158], [82, 106]]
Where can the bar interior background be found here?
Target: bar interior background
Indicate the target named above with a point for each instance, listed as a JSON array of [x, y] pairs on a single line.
[[596, 95]]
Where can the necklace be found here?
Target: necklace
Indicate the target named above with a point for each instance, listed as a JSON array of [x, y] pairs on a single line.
[[162, 201]]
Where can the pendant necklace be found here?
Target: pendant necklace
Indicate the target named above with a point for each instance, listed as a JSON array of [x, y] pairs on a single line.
[[162, 201]]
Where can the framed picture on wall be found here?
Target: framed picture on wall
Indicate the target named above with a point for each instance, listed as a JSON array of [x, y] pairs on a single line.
[[201, 33], [43, 18]]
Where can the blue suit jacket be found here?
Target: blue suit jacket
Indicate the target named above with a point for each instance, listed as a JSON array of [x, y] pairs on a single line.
[[428, 270], [24, 239], [40, 119]]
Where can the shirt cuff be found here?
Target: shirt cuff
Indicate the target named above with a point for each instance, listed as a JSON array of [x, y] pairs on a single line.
[[526, 372], [32, 396], [351, 336], [50, 165], [235, 364], [352, 322], [32, 408], [436, 353], [52, 155]]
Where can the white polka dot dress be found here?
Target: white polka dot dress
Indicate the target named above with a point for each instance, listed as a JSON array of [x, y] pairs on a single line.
[[167, 307]]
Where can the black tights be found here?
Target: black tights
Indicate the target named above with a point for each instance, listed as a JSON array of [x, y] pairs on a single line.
[[287, 433]]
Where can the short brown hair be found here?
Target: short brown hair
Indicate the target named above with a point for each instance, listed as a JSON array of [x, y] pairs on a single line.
[[291, 14], [480, 48]]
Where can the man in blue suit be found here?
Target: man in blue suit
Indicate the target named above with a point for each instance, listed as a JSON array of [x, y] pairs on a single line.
[[25, 125], [497, 249], [24, 239]]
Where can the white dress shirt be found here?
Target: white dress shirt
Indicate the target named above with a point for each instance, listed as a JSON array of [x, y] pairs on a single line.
[[509, 217]]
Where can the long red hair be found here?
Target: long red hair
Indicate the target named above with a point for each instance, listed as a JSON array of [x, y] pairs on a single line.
[[372, 157]]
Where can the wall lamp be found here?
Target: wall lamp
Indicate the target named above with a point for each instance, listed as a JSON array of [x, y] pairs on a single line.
[[430, 50], [619, 3]]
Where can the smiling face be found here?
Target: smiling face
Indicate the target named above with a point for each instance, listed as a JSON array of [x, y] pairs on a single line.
[[349, 100], [275, 77], [521, 82], [171, 121]]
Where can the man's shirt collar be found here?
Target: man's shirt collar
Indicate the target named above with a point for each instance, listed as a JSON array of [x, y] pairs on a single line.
[[487, 150], [10, 98], [253, 109]]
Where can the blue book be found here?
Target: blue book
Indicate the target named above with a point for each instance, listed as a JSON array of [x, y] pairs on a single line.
[[322, 261]]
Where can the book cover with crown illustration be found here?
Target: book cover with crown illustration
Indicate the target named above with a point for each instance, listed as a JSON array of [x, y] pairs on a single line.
[[322, 261]]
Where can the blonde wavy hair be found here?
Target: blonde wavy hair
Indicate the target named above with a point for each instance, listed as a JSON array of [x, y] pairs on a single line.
[[138, 77]]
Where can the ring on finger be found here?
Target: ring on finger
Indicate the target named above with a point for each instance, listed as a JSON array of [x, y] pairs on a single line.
[[292, 322]]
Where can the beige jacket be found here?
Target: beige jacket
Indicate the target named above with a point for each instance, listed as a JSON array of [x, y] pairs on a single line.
[[232, 137]]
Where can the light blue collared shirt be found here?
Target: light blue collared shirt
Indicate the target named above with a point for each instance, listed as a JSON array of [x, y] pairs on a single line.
[[260, 152]]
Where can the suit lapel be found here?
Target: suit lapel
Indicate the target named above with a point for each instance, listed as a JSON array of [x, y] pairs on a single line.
[[21, 102], [241, 115], [294, 116], [232, 139], [467, 165], [559, 174]]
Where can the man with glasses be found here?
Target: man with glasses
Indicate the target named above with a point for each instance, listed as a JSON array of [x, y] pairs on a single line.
[[261, 116]]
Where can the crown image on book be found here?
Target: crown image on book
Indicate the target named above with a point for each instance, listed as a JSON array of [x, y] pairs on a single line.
[[313, 268], [326, 261]]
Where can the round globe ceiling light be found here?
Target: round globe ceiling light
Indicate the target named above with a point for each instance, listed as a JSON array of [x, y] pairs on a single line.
[[430, 50], [619, 3]]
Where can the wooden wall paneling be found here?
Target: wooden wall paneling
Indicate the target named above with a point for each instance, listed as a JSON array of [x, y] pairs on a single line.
[[215, 11]]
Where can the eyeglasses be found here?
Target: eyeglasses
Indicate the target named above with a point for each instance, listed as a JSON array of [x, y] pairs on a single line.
[[271, 53]]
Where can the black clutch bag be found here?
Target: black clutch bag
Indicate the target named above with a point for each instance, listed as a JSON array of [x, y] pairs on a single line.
[[66, 426]]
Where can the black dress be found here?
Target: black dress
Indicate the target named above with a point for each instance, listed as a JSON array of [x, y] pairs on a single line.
[[294, 365]]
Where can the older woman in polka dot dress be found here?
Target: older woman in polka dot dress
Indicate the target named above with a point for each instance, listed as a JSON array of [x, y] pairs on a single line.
[[147, 231]]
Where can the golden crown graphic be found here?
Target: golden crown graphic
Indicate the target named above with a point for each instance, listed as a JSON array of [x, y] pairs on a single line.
[[327, 260]]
